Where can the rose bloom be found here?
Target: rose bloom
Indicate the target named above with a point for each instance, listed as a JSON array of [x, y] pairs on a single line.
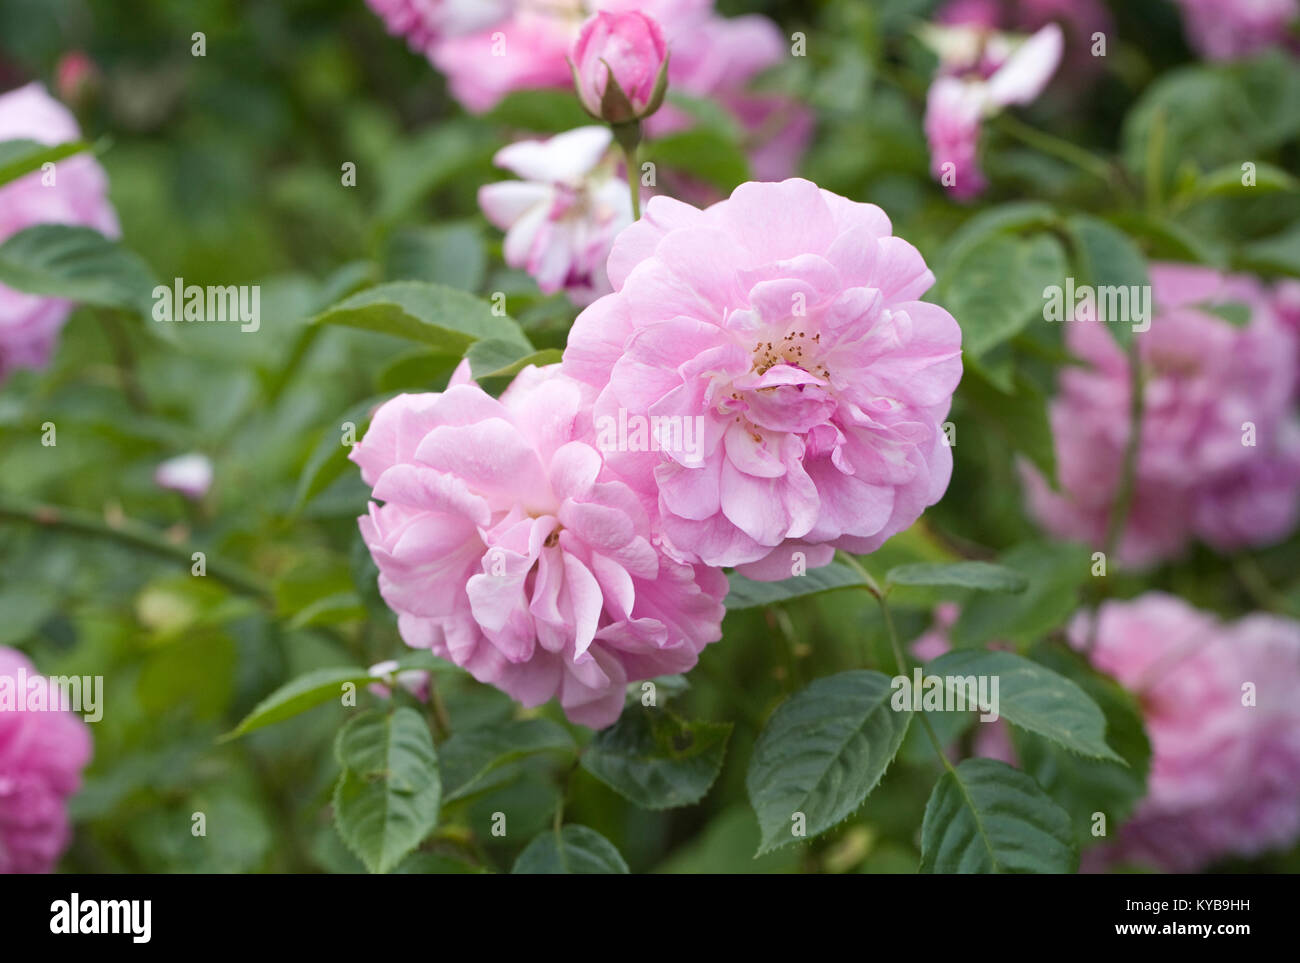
[[980, 74], [1209, 385], [561, 218], [627, 48], [42, 754], [505, 546], [793, 384], [30, 324], [1220, 709], [1228, 29]]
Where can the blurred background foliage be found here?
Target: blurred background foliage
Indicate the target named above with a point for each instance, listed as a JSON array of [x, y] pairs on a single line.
[[225, 169]]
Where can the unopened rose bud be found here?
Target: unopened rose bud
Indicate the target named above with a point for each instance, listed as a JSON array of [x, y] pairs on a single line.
[[620, 66]]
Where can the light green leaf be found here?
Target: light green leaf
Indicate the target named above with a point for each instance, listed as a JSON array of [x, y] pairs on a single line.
[[329, 459], [982, 576], [1107, 257], [1055, 571], [821, 753], [703, 152], [573, 850], [1030, 696], [432, 314], [78, 264], [655, 759], [748, 594], [502, 359], [20, 157], [388, 796], [989, 818], [300, 694]]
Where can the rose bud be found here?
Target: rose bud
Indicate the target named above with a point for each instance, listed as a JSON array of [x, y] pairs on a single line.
[[620, 66]]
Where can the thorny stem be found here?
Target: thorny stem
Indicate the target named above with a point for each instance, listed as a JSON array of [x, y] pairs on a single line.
[[131, 534], [1119, 511], [900, 664]]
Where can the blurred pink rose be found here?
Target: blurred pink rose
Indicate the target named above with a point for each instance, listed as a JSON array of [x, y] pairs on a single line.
[[1225, 774], [415, 681], [980, 73], [1080, 20], [1212, 388], [1228, 29], [796, 383], [42, 753], [191, 475], [75, 75], [77, 194], [561, 218], [627, 50], [504, 546]]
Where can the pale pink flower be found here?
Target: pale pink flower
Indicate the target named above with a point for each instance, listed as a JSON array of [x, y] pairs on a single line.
[[42, 754], [1228, 29], [1081, 21], [78, 194], [628, 50], [1212, 389], [415, 681], [779, 330], [980, 74], [426, 23], [561, 218], [1220, 710], [505, 546], [191, 475]]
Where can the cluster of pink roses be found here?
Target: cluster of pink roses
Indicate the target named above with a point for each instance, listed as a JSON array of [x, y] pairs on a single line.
[[572, 198], [794, 389], [1219, 456]]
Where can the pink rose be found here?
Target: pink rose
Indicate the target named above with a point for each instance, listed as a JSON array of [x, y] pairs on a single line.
[[561, 219], [1212, 389], [505, 546], [1228, 29], [620, 66], [1079, 19], [1225, 765], [30, 324], [792, 383], [980, 74], [42, 753]]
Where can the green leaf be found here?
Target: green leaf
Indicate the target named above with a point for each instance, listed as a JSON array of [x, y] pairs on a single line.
[[1055, 570], [471, 758], [1019, 416], [298, 695], [1021, 216], [330, 610], [573, 850], [502, 359], [748, 594], [656, 760], [1030, 696], [986, 817], [20, 157], [387, 798], [823, 750], [1107, 257], [1086, 786], [1227, 181], [982, 576], [430, 314], [428, 160], [78, 264], [996, 289], [702, 152]]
